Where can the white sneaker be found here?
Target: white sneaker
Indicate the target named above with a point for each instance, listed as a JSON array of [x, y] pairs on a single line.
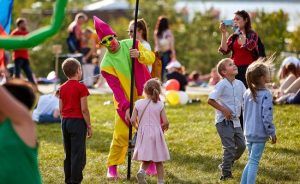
[[140, 176]]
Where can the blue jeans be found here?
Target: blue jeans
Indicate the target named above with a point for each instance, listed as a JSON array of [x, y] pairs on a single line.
[[48, 118], [255, 152], [295, 98], [165, 59], [73, 43]]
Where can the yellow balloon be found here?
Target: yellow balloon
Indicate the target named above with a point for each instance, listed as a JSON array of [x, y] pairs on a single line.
[[172, 97]]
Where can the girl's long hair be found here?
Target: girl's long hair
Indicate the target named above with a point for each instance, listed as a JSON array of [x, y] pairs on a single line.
[[142, 25], [152, 89], [288, 69], [255, 71], [162, 24]]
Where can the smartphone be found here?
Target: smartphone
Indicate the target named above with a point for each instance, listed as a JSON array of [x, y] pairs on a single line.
[[228, 22]]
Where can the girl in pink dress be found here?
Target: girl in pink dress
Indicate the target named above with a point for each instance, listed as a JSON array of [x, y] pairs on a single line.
[[150, 143]]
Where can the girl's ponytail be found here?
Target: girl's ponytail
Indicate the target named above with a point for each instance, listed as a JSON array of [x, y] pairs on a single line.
[[152, 89], [251, 84], [143, 26], [155, 95]]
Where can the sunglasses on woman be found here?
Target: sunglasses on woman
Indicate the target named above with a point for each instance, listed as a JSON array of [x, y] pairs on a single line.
[[109, 39]]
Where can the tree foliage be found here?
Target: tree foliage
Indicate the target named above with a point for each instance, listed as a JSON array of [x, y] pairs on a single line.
[[272, 28], [294, 45]]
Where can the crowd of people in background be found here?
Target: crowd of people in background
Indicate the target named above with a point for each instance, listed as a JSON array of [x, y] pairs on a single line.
[[84, 41]]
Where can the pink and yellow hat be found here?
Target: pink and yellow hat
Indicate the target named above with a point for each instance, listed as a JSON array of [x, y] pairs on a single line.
[[102, 28]]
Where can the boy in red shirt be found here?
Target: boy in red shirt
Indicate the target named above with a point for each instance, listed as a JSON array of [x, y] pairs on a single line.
[[21, 56], [75, 120]]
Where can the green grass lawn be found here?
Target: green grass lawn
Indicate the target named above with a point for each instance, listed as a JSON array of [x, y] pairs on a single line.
[[193, 142]]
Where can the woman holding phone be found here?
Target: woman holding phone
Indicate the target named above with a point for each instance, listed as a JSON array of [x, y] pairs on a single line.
[[242, 43]]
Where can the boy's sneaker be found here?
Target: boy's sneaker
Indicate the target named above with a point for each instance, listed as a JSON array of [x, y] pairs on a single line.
[[220, 167], [232, 163], [140, 176], [226, 177]]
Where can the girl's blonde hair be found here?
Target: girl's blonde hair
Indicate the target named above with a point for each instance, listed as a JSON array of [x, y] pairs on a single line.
[[152, 89], [256, 70]]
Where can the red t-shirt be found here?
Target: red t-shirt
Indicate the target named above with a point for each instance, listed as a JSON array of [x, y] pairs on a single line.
[[70, 94], [241, 55], [21, 53]]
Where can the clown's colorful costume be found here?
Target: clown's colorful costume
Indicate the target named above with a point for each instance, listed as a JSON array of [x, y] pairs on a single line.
[[116, 69]]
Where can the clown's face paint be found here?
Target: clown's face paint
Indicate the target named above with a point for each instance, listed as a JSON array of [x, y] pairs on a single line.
[[114, 45], [111, 43]]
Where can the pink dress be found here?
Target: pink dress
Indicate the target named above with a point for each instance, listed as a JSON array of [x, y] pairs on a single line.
[[150, 143]]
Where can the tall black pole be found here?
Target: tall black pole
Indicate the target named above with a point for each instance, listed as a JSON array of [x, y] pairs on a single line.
[[132, 91]]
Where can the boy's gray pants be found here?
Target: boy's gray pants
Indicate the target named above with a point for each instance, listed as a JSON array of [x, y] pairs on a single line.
[[233, 142]]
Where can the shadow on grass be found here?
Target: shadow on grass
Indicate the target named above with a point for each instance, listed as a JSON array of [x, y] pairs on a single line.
[[175, 179], [290, 152], [198, 162], [51, 133], [153, 179], [210, 164], [278, 176]]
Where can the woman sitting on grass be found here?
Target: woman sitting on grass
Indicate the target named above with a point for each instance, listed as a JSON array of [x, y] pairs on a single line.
[[289, 85]]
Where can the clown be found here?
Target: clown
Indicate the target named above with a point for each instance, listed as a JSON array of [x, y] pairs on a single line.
[[116, 69]]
